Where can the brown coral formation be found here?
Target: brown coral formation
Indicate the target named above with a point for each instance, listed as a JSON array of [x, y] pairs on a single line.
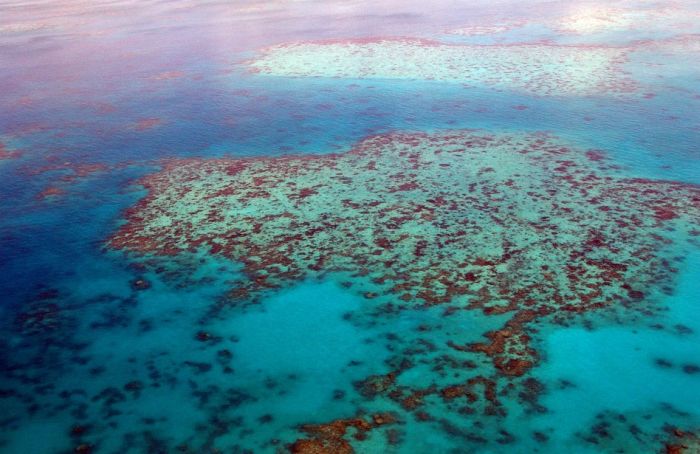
[[519, 224], [331, 438], [523, 227]]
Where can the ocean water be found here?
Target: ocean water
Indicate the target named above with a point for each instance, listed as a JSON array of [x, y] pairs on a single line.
[[620, 368], [127, 349]]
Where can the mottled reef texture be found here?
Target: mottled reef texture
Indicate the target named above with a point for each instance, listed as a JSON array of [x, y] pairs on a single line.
[[521, 226], [541, 69]]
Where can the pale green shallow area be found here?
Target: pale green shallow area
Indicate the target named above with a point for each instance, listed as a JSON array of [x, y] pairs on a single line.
[[538, 69]]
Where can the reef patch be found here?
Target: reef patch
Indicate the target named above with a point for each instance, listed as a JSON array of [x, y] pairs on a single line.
[[538, 68], [518, 224]]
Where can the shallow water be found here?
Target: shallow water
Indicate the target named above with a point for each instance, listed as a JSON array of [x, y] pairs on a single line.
[[134, 347], [620, 368]]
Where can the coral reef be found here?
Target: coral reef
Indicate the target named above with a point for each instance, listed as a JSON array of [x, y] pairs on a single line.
[[516, 224], [541, 69], [329, 438]]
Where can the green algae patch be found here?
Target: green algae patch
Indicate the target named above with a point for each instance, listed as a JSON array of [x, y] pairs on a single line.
[[540, 69]]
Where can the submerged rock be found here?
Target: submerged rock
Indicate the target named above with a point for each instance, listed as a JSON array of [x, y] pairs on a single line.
[[140, 284]]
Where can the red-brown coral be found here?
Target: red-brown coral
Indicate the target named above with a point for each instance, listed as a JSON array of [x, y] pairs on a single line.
[[518, 224]]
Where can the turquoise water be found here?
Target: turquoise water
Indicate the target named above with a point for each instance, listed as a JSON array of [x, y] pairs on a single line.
[[619, 369], [93, 362]]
